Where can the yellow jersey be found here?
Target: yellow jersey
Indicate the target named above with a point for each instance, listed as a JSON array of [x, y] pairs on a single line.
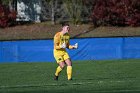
[[59, 39]]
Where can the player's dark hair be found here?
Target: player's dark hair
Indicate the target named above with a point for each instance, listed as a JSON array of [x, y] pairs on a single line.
[[65, 24]]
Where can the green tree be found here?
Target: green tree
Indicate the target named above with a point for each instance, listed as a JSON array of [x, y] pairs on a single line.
[[74, 9], [53, 7], [8, 3], [4, 1]]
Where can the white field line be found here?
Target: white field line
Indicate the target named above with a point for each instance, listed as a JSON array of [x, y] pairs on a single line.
[[61, 84]]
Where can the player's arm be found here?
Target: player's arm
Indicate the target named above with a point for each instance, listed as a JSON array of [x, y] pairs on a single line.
[[57, 41], [72, 46]]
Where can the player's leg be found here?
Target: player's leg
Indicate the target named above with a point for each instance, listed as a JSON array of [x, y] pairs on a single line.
[[59, 68], [69, 66], [61, 65]]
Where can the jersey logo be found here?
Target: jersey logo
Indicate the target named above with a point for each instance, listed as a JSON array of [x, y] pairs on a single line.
[[59, 59], [62, 39]]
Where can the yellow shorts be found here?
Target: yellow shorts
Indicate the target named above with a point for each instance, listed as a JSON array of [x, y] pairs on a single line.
[[61, 58]]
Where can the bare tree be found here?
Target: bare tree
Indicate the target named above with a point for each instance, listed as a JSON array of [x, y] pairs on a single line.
[[53, 8], [74, 9]]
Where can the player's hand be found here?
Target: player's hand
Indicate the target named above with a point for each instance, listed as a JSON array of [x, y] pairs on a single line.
[[76, 46], [63, 45]]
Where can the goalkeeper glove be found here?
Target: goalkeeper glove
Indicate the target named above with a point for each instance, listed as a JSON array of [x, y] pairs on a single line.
[[76, 45], [63, 45]]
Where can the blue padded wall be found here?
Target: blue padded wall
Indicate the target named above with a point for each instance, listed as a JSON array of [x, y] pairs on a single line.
[[89, 49]]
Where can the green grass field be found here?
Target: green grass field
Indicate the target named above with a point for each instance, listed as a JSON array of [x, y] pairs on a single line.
[[119, 76]]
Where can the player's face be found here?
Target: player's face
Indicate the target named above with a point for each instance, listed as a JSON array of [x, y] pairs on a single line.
[[66, 29]]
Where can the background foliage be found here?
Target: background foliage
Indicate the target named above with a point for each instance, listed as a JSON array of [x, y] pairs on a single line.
[[116, 12], [100, 12], [7, 16]]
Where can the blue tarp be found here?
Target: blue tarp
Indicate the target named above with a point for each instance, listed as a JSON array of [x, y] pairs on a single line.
[[89, 49]]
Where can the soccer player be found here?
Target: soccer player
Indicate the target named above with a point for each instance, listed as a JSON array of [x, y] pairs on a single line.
[[61, 42]]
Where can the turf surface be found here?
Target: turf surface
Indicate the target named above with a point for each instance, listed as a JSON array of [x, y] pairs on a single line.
[[119, 76]]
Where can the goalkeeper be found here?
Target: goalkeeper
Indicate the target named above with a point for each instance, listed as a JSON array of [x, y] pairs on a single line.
[[61, 42]]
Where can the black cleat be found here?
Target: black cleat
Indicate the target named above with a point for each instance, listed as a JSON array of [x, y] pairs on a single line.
[[70, 79], [55, 77]]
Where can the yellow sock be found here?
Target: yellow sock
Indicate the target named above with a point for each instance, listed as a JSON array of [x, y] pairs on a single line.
[[69, 72], [58, 70]]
